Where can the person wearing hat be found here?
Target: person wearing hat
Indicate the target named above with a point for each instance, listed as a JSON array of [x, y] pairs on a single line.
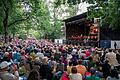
[[5, 74]]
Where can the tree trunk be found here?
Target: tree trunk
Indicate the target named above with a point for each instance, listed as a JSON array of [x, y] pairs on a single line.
[[5, 37], [5, 24]]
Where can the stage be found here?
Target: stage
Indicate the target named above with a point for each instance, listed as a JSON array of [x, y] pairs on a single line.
[[81, 31]]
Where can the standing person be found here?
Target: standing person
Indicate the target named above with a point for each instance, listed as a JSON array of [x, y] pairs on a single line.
[[5, 74], [74, 75]]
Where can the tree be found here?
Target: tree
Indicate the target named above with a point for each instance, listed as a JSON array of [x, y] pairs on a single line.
[[11, 11], [18, 15], [60, 11], [107, 10]]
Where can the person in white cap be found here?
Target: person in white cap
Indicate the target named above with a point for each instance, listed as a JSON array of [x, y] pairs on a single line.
[[5, 74]]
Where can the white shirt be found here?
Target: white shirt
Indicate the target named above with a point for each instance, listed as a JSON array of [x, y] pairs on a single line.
[[77, 76]]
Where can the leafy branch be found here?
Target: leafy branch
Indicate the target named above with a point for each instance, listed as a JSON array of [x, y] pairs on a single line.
[[20, 20]]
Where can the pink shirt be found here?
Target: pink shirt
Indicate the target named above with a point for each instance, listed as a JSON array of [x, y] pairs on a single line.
[[87, 53]]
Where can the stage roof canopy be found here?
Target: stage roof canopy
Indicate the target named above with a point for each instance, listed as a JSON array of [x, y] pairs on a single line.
[[77, 17]]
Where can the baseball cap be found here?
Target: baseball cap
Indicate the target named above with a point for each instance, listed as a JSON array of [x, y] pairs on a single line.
[[4, 64]]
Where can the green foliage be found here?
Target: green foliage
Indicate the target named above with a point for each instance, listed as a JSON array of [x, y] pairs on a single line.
[[107, 10], [24, 17], [40, 19], [32, 17], [55, 32]]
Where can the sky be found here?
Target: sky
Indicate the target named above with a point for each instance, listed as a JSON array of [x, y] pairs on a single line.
[[83, 8], [61, 15]]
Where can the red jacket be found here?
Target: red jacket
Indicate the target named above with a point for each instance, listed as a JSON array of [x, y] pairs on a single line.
[[64, 76]]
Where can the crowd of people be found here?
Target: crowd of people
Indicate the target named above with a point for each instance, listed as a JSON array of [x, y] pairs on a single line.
[[45, 60]]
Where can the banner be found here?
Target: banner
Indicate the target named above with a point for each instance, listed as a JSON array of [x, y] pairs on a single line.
[[105, 44]]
